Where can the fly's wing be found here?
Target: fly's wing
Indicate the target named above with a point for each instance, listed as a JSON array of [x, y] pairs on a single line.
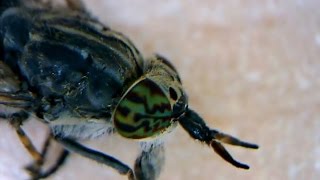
[[12, 98]]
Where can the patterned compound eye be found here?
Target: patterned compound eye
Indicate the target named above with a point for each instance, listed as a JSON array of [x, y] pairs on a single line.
[[144, 111]]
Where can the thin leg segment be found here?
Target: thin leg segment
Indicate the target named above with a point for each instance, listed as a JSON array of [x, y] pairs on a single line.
[[149, 163], [18, 100], [197, 129], [110, 161], [60, 161], [16, 121], [35, 169]]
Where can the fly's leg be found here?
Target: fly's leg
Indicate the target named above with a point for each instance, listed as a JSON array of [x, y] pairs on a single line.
[[35, 168], [16, 120], [60, 161], [36, 173], [197, 129], [108, 160], [17, 100], [149, 163]]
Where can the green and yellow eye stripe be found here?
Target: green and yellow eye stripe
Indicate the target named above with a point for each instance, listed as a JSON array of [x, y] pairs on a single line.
[[143, 112]]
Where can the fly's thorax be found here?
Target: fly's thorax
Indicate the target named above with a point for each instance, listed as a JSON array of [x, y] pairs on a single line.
[[151, 105], [70, 56]]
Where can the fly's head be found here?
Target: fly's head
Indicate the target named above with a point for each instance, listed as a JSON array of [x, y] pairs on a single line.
[[156, 101], [152, 104]]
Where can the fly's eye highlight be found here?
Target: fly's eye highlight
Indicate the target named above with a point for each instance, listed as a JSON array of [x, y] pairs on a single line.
[[143, 112]]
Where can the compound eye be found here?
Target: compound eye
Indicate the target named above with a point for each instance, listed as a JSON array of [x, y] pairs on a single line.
[[173, 94], [143, 112]]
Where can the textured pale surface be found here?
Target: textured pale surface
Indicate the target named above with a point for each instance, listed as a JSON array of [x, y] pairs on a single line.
[[251, 68]]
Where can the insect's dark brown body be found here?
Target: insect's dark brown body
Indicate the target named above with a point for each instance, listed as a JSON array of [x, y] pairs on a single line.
[[69, 59], [84, 80]]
